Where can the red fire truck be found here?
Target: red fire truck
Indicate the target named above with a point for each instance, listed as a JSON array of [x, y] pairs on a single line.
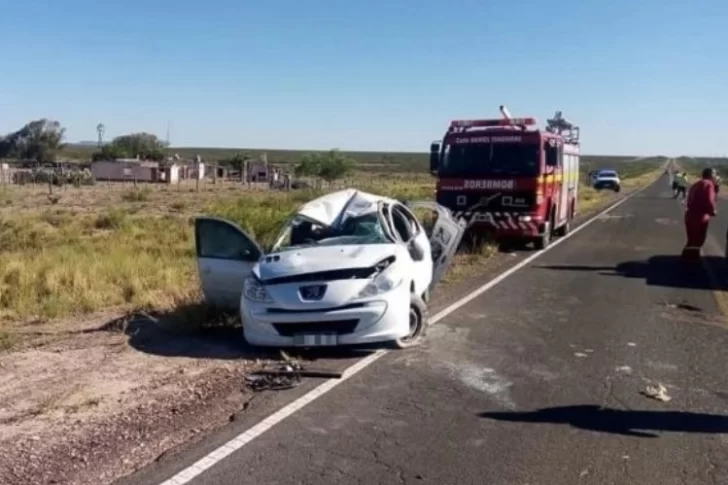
[[509, 178]]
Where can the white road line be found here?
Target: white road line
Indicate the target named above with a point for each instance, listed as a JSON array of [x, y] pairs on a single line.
[[197, 468]]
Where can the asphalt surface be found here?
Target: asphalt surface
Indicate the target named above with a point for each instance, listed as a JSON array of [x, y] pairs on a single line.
[[538, 381]]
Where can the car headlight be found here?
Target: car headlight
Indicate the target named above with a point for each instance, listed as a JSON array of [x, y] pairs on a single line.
[[385, 281], [254, 291]]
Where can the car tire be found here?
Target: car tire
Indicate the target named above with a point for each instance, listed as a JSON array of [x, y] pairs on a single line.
[[617, 188], [419, 321]]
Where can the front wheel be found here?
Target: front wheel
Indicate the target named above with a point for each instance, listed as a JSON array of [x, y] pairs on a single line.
[[418, 322], [544, 240]]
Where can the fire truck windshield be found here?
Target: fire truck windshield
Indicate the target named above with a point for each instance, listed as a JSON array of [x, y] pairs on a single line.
[[490, 159]]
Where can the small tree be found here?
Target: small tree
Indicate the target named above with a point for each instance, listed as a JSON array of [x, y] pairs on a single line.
[[144, 145], [39, 140], [238, 163], [334, 165], [330, 166], [108, 152], [309, 166]]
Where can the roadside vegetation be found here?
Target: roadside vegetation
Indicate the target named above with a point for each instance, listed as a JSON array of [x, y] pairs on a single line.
[[101, 247], [633, 174], [81, 248], [694, 167]]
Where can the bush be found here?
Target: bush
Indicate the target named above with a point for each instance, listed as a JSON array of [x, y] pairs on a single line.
[[330, 166]]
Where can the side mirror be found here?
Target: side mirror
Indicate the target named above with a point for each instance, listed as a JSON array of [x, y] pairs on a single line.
[[417, 253], [434, 158]]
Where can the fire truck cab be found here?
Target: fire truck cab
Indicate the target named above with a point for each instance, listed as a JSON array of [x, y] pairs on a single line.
[[508, 178]]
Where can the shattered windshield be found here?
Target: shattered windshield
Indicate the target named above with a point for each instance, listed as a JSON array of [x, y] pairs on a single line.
[[480, 159], [360, 229]]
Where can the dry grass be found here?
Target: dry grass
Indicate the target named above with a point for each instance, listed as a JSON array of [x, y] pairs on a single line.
[[590, 199], [105, 246]]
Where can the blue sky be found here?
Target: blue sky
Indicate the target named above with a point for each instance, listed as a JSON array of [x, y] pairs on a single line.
[[640, 77]]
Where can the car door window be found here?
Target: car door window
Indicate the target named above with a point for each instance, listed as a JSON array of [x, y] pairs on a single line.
[[402, 226], [412, 222], [216, 239]]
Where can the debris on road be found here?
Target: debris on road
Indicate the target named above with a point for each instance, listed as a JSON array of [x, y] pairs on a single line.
[[658, 392], [285, 376], [631, 344], [263, 382], [625, 369], [580, 355], [684, 306], [322, 374]]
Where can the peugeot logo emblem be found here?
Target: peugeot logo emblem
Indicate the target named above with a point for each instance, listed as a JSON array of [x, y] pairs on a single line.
[[313, 292]]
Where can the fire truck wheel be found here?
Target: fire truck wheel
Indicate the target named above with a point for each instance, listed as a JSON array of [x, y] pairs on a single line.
[[565, 229], [545, 239]]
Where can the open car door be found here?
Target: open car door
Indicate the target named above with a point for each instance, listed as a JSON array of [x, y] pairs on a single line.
[[445, 237], [225, 257]]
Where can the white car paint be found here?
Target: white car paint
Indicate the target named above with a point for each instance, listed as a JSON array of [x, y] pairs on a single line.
[[376, 255]]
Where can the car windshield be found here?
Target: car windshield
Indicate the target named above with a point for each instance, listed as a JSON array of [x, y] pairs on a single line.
[[607, 174], [490, 159], [360, 229]]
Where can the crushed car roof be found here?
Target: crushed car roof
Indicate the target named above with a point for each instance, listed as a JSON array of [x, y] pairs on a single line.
[[327, 209]]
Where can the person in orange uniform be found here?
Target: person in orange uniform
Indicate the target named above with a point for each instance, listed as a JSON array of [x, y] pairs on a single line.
[[701, 206]]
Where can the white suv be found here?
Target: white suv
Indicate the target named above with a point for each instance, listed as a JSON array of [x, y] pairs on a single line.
[[607, 179]]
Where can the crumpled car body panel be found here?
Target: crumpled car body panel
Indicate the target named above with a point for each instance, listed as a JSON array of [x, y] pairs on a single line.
[[352, 285]]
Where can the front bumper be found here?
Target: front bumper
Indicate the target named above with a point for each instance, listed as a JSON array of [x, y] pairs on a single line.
[[378, 319], [508, 225], [607, 185]]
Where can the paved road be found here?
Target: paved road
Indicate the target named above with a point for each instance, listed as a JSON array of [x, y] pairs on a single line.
[[535, 382]]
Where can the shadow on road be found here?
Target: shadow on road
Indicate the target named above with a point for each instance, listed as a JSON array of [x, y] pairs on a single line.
[[627, 423], [197, 331], [662, 270]]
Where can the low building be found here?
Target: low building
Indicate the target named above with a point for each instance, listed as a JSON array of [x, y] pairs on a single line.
[[192, 170], [170, 174], [258, 171], [125, 170], [6, 176]]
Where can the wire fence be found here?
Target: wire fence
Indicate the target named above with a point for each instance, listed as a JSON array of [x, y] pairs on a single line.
[[31, 189], [33, 178]]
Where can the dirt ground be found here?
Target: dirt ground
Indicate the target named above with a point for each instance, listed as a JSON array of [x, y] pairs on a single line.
[[112, 393]]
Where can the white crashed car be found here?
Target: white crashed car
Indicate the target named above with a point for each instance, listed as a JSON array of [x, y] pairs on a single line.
[[349, 268]]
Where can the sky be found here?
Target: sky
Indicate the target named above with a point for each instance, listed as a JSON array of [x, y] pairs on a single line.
[[640, 77]]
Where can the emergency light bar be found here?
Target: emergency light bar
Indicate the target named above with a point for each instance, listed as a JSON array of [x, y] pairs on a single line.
[[493, 122]]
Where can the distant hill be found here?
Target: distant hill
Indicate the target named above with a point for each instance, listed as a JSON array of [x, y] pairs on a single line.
[[373, 161]]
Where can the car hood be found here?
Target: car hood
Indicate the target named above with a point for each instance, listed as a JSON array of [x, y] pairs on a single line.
[[315, 259]]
